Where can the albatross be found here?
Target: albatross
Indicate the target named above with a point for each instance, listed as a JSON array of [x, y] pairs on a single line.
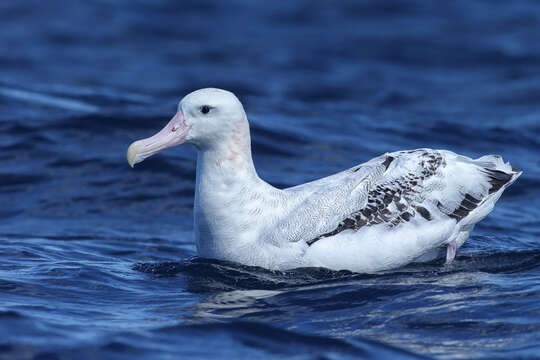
[[398, 208]]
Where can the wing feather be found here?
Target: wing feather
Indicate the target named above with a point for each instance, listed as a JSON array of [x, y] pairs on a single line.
[[426, 185]]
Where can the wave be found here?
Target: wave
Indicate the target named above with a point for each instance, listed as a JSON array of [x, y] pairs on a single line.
[[209, 275]]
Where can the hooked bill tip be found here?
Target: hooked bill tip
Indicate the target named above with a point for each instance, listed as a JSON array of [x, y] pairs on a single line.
[[132, 154]]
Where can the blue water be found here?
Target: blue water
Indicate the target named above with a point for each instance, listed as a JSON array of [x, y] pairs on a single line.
[[97, 259]]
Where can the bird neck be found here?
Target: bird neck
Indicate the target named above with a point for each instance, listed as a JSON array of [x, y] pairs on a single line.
[[229, 160], [228, 192]]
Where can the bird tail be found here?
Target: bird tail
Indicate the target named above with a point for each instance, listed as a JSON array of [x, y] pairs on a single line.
[[498, 175]]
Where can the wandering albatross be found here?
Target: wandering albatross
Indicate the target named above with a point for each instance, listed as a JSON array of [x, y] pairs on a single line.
[[395, 209]]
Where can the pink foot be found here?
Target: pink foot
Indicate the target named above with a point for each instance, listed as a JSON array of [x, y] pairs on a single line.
[[451, 251]]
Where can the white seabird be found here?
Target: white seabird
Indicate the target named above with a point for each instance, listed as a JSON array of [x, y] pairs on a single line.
[[397, 208]]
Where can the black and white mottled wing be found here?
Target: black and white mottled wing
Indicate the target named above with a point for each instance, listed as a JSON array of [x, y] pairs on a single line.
[[427, 185]]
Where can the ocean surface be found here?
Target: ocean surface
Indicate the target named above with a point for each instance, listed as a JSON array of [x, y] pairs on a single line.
[[97, 260]]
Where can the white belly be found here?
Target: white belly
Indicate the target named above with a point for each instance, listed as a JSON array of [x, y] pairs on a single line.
[[377, 248]]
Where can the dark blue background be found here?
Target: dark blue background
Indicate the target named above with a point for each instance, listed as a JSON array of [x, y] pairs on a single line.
[[96, 258]]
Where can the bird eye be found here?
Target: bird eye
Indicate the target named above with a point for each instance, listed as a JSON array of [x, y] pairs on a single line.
[[205, 109]]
